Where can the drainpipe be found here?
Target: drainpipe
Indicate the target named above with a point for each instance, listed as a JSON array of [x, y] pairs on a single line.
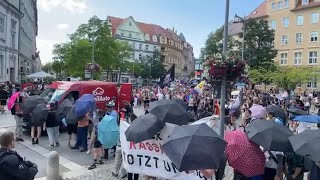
[[19, 41]]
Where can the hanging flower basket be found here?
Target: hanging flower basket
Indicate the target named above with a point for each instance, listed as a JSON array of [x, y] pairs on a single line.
[[231, 68], [93, 67]]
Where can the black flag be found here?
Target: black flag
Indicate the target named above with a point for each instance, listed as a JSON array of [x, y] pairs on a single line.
[[168, 77]]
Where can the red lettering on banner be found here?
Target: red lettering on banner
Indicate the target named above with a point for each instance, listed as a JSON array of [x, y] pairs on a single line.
[[132, 144], [142, 146], [149, 146]]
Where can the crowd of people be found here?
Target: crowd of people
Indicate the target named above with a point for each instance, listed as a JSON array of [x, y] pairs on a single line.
[[200, 105]]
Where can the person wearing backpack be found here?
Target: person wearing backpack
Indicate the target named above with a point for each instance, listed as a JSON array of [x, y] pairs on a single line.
[[13, 166]]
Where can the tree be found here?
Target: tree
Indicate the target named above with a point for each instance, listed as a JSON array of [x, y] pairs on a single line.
[[214, 44], [57, 67], [263, 74], [152, 66], [259, 48], [46, 67]]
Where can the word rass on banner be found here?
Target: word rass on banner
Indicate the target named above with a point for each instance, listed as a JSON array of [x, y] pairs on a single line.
[[147, 158]]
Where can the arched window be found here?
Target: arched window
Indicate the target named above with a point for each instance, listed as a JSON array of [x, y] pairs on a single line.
[[154, 38], [147, 36]]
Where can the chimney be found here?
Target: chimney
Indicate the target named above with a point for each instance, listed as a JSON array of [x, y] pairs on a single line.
[[173, 29]]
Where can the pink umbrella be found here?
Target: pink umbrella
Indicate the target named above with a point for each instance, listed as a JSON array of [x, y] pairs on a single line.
[[13, 99], [243, 155]]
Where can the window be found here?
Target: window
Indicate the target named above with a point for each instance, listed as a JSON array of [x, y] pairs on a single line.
[[286, 3], [133, 45], [284, 40], [140, 46], [122, 34], [299, 20], [313, 57], [130, 35], [314, 18], [273, 25], [314, 36], [304, 2], [154, 38], [13, 40], [285, 22], [140, 56], [147, 47], [147, 37], [312, 83], [283, 58], [280, 5], [155, 48], [13, 25], [274, 6], [298, 38], [297, 58], [1, 26], [1, 64]]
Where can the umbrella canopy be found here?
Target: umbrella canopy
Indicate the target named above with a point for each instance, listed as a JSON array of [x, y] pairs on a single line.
[[13, 99], [243, 155], [86, 103], [108, 131], [258, 111], [169, 111], [144, 128], [182, 103], [270, 135], [307, 144], [64, 109], [40, 74], [297, 111], [30, 103], [308, 118], [39, 114], [71, 117], [277, 111], [194, 147], [235, 93]]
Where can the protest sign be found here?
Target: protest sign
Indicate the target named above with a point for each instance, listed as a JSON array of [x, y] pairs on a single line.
[[147, 158]]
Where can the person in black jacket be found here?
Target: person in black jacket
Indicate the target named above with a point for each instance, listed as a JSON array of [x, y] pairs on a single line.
[[13, 166]]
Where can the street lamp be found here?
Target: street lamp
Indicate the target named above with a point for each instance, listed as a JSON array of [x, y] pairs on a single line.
[[238, 19]]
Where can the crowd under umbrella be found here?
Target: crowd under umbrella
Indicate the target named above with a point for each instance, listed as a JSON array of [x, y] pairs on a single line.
[[30, 103], [39, 114], [277, 111], [108, 131], [244, 155], [194, 147], [270, 135], [64, 109], [169, 111], [307, 144], [308, 118], [143, 128]]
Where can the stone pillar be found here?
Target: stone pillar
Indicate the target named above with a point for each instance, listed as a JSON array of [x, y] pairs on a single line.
[[53, 171]]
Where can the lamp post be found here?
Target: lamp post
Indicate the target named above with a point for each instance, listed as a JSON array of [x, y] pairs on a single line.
[[223, 82], [238, 19]]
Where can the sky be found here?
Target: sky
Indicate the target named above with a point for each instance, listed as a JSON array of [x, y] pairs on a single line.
[[194, 18]]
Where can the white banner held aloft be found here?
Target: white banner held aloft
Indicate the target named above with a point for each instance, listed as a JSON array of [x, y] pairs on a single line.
[[147, 158]]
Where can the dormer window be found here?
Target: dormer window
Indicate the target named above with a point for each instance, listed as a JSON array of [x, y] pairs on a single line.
[[147, 36], [304, 2], [154, 38]]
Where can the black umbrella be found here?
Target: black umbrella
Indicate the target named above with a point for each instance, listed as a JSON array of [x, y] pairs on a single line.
[[39, 114], [297, 111], [144, 128], [277, 111], [71, 117], [30, 103], [64, 109], [270, 135], [169, 111], [182, 103], [194, 147], [307, 144]]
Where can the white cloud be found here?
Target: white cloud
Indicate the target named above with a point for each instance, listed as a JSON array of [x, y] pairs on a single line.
[[72, 6], [45, 47], [62, 26]]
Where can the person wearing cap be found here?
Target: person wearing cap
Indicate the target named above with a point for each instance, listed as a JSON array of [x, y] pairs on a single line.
[[110, 112]]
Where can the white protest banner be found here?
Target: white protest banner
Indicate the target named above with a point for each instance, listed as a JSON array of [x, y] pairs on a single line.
[[147, 158]]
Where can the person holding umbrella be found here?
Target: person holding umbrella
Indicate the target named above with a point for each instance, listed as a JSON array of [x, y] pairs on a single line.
[[52, 126], [14, 106]]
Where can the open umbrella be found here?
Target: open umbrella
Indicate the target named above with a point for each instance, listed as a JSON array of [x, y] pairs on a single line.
[[86, 103], [308, 118], [270, 135], [277, 111], [181, 102], [30, 103], [39, 114], [194, 147], [307, 144], [169, 111], [297, 111], [13, 99], [71, 117], [243, 155], [108, 131], [64, 109], [144, 128]]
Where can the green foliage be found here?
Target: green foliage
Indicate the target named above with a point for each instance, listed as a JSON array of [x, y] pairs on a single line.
[[263, 74], [47, 67], [77, 52], [259, 48], [150, 66]]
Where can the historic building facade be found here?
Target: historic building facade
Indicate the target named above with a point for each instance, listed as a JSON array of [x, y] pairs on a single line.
[[9, 31], [146, 39]]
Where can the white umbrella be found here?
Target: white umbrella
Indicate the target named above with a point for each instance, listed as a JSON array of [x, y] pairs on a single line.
[[40, 74], [235, 93]]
